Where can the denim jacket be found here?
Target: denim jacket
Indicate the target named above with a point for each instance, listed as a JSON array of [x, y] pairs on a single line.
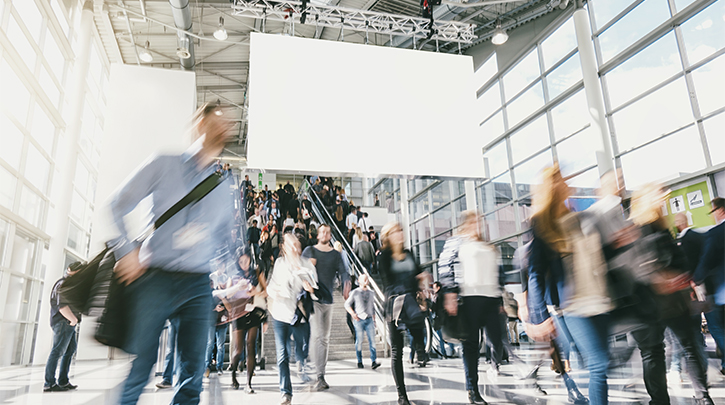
[[546, 279]]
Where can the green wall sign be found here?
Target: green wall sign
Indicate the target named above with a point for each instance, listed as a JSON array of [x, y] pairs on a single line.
[[693, 201], [260, 181]]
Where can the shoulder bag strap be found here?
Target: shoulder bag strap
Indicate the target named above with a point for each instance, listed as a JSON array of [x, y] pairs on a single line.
[[199, 192]]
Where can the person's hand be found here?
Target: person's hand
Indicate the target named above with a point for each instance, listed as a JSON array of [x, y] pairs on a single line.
[[128, 268], [73, 323], [542, 332], [451, 304], [523, 313], [219, 308], [308, 287], [356, 318]]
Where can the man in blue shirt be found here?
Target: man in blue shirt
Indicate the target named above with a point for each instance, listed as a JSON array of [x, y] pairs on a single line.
[[63, 321], [167, 276]]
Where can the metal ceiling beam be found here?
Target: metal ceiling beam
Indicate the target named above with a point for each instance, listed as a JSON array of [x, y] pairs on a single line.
[[238, 65], [221, 88], [355, 20]]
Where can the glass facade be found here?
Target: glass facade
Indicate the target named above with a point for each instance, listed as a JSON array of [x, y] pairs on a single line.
[[661, 67], [37, 41]]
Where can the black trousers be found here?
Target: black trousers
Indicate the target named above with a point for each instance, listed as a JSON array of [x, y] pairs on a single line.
[[481, 312], [397, 340], [651, 345]]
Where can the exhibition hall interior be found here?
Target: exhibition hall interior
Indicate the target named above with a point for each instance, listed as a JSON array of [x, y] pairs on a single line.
[[362, 202]]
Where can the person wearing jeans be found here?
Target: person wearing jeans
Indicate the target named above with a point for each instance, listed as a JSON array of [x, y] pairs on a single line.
[[361, 306], [167, 377], [566, 269], [167, 274], [291, 275], [218, 332], [63, 321]]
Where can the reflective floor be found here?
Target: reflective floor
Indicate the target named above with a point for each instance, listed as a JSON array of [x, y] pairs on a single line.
[[439, 383]]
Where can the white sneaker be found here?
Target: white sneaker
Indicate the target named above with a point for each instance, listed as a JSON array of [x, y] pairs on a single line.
[[674, 377]]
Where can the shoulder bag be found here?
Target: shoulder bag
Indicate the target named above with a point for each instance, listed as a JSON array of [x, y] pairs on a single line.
[[94, 291]]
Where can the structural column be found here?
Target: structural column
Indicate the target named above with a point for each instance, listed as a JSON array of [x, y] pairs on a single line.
[[593, 87], [471, 203], [66, 160], [405, 211]]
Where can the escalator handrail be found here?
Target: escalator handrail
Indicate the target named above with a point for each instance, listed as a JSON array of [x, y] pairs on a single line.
[[346, 246], [356, 264]]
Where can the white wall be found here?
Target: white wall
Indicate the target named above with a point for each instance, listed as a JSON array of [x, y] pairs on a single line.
[[148, 111], [409, 109]]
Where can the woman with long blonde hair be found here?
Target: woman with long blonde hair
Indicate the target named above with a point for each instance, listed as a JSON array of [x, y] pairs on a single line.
[[566, 268]]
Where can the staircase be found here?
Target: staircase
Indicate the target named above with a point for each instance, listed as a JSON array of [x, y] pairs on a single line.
[[342, 343]]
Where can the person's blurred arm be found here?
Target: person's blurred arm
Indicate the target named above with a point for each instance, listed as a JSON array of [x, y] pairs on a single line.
[[447, 263], [344, 278], [348, 306], [127, 197]]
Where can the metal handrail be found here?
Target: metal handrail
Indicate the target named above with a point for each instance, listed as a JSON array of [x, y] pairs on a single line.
[[323, 215]]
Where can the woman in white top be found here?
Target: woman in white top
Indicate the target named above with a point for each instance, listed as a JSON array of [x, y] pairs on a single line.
[[291, 275]]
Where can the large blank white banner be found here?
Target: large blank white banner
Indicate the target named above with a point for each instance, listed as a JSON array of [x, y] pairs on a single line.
[[323, 106]]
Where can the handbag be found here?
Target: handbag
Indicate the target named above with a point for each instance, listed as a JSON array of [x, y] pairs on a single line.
[[454, 328], [95, 291]]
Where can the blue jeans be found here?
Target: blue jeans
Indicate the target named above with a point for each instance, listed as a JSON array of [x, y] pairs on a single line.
[[716, 324], [301, 333], [152, 299], [220, 333], [64, 346], [168, 375], [282, 336], [443, 344], [362, 327], [590, 336], [563, 337]]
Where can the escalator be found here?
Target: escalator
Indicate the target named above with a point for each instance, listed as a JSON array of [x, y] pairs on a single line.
[[356, 266]]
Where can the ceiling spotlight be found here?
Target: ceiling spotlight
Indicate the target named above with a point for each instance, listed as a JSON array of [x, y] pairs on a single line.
[[145, 55], [499, 35], [221, 32], [183, 50]]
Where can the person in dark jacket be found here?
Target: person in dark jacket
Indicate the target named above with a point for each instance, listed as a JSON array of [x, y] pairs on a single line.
[[664, 265], [64, 321], [401, 276], [253, 236], [712, 266]]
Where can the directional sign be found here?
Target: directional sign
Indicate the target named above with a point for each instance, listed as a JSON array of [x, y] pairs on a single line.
[[695, 200], [677, 204]]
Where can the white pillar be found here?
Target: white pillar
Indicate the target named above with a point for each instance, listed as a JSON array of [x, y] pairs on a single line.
[[405, 211], [471, 204], [593, 88], [66, 160]]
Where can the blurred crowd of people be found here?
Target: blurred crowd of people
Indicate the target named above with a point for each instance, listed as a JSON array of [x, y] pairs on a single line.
[[614, 268]]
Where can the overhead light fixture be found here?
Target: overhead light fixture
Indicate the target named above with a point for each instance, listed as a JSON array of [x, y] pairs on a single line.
[[221, 32], [145, 55], [499, 35], [183, 50]]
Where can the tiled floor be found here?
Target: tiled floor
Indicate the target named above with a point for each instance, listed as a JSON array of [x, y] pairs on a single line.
[[439, 383]]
